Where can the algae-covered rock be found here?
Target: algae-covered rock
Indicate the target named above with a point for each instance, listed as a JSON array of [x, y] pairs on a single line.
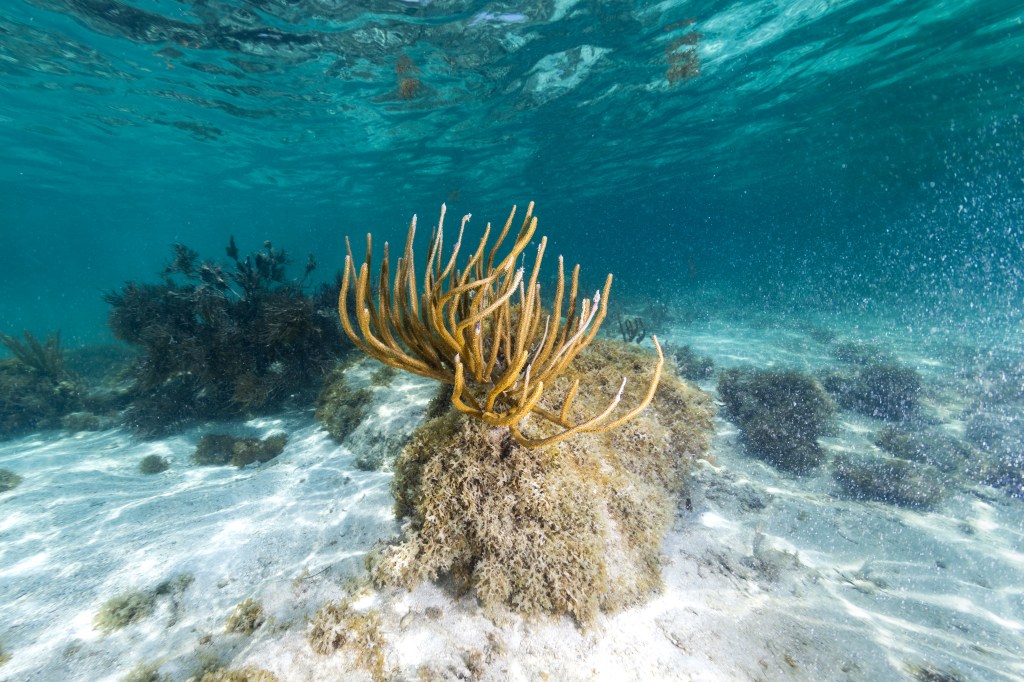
[[689, 364], [361, 414], [219, 449], [858, 353], [81, 421], [153, 464], [1000, 440], [571, 528], [340, 408], [941, 450]]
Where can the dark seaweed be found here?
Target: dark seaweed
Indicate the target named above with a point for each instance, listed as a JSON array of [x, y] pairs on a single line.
[[882, 390], [36, 389], [224, 340], [781, 414]]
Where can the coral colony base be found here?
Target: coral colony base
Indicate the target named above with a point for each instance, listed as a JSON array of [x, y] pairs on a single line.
[[574, 527]]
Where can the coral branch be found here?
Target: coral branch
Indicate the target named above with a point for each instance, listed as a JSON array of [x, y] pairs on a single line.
[[480, 328]]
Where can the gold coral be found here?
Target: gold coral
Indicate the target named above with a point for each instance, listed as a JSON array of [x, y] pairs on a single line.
[[463, 328]]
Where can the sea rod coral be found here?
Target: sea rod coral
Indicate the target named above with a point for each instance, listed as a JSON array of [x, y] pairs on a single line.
[[482, 328]]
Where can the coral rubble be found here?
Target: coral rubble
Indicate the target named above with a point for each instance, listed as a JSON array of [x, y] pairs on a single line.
[[337, 626]]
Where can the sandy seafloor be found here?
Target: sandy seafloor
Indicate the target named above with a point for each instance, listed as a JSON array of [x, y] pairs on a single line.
[[768, 576]]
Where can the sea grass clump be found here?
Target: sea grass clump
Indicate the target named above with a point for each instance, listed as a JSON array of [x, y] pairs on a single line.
[[889, 479], [124, 609], [571, 528], [781, 414], [37, 389], [884, 390], [223, 339], [135, 605]]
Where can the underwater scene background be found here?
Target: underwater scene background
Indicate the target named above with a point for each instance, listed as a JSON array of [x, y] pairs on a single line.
[[831, 151], [818, 205]]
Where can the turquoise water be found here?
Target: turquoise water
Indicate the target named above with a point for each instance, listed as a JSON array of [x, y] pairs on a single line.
[[811, 152]]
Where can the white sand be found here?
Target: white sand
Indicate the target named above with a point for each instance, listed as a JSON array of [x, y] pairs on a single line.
[[767, 576]]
